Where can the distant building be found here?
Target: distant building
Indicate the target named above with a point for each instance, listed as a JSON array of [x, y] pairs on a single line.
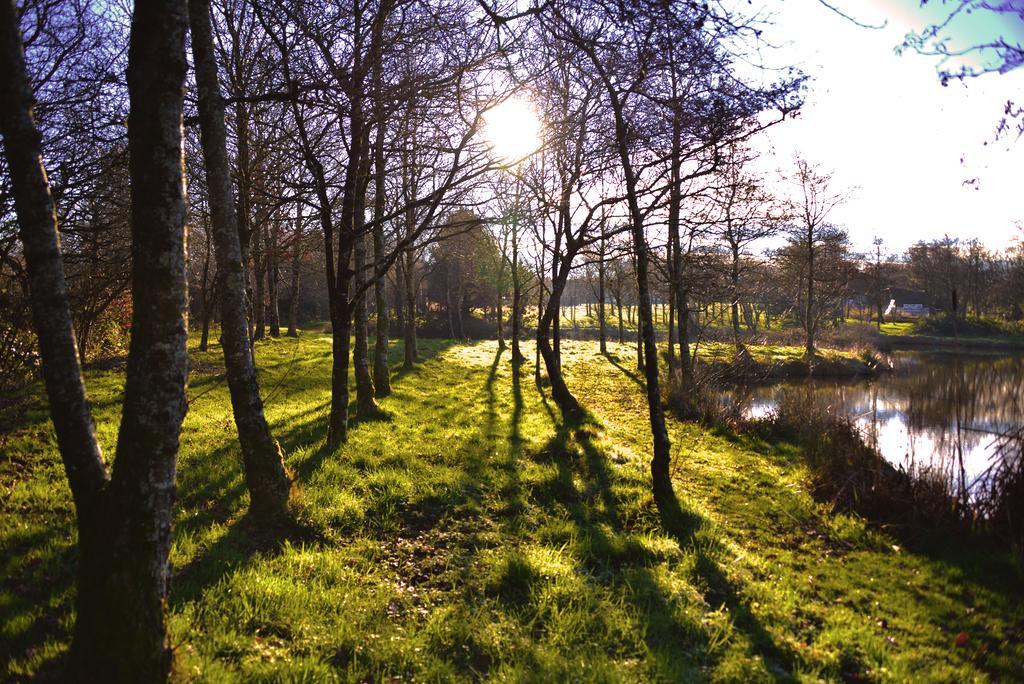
[[913, 309], [910, 302]]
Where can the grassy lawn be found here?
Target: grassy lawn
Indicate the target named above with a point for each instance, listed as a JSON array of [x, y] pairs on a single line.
[[766, 353], [897, 328], [472, 534]]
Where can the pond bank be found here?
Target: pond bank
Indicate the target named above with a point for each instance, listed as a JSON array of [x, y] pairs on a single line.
[[889, 342], [937, 409], [763, 363]]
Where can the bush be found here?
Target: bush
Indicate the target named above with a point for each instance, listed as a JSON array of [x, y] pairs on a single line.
[[999, 499], [698, 398]]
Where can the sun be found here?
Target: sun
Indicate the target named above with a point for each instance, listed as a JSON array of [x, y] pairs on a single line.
[[513, 129]]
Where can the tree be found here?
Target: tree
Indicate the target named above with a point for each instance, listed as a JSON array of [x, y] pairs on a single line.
[[76, 73], [620, 284], [124, 517], [879, 281], [97, 256], [743, 216], [813, 200], [937, 269], [333, 53], [614, 45], [510, 205], [567, 182], [1013, 288], [463, 265], [632, 52], [268, 482]]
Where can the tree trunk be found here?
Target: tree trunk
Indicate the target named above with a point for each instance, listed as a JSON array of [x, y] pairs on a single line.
[[410, 352], [673, 283], [244, 206], [124, 522], [517, 291], [84, 337], [204, 340], [556, 329], [540, 309], [365, 402], [622, 333], [350, 238], [448, 306], [671, 323], [548, 350], [555, 305], [639, 348], [660, 460], [204, 290], [266, 478], [293, 301], [501, 322], [735, 292], [336, 270], [398, 292], [601, 322], [683, 333], [273, 272], [381, 369], [259, 268], [62, 376], [341, 325], [120, 633], [810, 322]]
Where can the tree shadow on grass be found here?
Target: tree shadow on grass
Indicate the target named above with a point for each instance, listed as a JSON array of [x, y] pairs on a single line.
[[244, 539], [686, 527], [426, 350], [33, 611], [211, 492], [632, 375], [218, 499], [610, 553], [491, 427]]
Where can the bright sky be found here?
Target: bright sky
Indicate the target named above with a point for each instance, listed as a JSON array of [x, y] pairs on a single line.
[[887, 128], [513, 129]]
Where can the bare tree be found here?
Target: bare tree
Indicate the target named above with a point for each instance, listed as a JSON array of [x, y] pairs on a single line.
[[124, 518], [266, 478], [744, 215], [879, 280], [814, 198]]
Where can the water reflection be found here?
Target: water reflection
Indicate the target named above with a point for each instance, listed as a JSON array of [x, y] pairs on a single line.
[[939, 411]]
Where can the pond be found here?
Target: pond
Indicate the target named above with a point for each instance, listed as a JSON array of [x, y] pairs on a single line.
[[937, 409]]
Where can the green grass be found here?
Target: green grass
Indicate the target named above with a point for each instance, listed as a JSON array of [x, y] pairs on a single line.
[[630, 317], [471, 534], [897, 328], [766, 353]]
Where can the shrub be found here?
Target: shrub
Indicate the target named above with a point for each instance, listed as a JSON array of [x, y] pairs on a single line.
[[999, 498]]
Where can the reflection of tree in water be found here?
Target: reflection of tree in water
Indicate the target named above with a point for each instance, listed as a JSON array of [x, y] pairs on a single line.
[[986, 393], [966, 404], [948, 409]]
